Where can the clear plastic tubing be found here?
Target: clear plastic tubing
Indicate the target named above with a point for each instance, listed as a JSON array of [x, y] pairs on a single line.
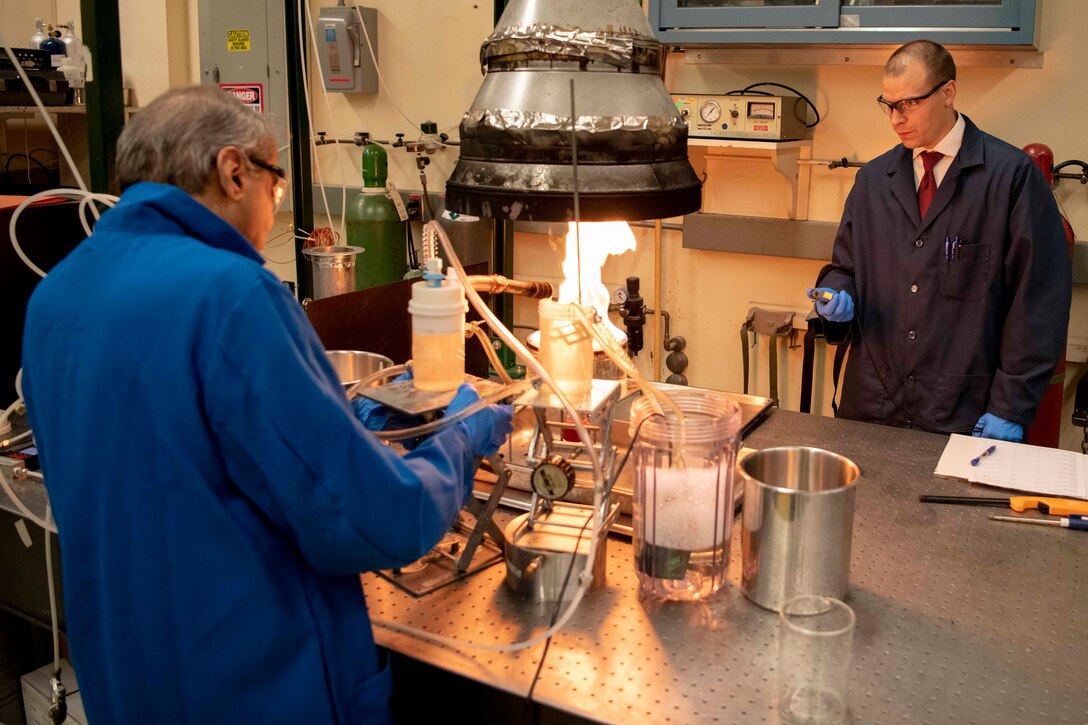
[[683, 515]]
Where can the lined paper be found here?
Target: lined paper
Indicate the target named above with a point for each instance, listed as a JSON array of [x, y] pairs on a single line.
[[1016, 466]]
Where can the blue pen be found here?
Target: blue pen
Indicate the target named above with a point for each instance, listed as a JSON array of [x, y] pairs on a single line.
[[955, 247], [947, 250], [1076, 523], [977, 459]]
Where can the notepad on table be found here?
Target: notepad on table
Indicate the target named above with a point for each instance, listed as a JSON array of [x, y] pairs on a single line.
[[1016, 466]]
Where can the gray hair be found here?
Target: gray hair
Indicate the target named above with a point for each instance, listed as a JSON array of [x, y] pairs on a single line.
[[176, 138], [933, 56]]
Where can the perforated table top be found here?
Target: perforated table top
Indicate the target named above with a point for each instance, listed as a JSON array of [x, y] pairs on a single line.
[[959, 619]]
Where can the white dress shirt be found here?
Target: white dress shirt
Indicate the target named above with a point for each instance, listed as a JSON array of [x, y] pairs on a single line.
[[949, 146]]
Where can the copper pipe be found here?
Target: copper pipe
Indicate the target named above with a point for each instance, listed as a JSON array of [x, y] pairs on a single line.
[[496, 283]]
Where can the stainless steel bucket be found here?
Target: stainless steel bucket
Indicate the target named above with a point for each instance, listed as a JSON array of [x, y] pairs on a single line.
[[334, 270], [797, 524], [352, 365]]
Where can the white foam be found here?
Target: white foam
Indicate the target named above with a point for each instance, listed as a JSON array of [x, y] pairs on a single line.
[[691, 506]]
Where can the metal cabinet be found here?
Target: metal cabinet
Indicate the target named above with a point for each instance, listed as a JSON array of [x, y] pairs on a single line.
[[717, 22]]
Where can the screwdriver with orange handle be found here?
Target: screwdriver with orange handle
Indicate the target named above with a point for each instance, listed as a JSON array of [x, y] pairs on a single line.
[[1048, 506]]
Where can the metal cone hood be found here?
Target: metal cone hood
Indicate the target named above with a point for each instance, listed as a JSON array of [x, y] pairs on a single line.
[[516, 140]]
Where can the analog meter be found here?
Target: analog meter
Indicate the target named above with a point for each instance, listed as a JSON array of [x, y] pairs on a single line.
[[710, 111], [552, 478]]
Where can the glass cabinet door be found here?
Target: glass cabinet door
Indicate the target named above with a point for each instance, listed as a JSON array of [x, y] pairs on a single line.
[[937, 13], [720, 22], [748, 13]]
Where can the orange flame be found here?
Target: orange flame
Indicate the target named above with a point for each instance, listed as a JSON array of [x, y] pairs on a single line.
[[599, 240]]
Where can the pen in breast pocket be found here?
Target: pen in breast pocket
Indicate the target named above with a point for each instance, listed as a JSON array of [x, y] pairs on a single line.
[[947, 250]]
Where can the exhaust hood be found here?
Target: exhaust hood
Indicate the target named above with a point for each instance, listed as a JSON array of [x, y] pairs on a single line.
[[517, 148]]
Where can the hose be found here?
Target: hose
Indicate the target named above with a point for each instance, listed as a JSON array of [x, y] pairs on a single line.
[[85, 198], [616, 354], [434, 425], [473, 328], [375, 377]]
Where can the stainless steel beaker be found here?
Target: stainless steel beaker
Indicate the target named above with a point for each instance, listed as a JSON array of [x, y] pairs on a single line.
[[797, 524], [352, 366], [334, 270]]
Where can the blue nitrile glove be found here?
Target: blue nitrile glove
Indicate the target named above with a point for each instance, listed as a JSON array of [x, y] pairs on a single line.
[[375, 416], [990, 426], [486, 429], [839, 309]]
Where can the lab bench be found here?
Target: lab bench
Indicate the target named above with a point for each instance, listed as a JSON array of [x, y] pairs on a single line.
[[959, 619]]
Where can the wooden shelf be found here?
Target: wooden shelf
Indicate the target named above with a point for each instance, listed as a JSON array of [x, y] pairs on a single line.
[[70, 108], [785, 156]]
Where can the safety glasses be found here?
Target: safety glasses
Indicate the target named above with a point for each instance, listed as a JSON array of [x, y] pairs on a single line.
[[280, 190], [907, 105]]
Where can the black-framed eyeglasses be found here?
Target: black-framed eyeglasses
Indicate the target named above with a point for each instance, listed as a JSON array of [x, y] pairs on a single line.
[[907, 105], [280, 191]]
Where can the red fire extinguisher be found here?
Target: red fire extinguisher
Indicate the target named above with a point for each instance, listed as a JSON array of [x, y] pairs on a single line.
[[1046, 431]]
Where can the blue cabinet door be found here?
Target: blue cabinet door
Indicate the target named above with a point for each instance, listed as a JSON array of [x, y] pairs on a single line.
[[883, 22], [744, 14]]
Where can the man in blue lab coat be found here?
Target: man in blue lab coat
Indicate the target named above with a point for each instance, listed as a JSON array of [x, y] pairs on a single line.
[[950, 274], [214, 493]]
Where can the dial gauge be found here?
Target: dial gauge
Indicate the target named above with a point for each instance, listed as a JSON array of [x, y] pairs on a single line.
[[552, 478], [710, 111]]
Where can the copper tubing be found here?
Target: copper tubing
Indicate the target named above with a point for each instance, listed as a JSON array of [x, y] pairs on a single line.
[[496, 283]]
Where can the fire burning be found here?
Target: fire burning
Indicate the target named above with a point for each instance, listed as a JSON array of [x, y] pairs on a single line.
[[599, 240]]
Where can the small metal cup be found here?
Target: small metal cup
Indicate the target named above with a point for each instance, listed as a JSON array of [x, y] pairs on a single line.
[[334, 270], [353, 366], [797, 524]]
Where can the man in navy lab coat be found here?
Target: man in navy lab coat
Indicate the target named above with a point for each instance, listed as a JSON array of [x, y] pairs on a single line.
[[215, 495], [950, 272]]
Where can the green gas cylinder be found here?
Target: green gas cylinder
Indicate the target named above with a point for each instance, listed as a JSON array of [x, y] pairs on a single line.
[[374, 225]]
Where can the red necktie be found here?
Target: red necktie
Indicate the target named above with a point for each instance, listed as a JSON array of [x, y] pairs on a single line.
[[928, 188]]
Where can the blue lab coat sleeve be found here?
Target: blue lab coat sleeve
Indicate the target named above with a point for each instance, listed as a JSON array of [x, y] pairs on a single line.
[[1038, 282], [350, 503]]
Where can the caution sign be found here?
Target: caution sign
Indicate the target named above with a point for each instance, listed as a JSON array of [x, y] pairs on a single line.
[[238, 41], [250, 94]]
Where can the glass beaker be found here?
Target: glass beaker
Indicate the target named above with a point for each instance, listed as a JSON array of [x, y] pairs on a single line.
[[815, 646], [683, 504], [566, 347]]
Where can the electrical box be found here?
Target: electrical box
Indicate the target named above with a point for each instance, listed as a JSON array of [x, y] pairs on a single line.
[[242, 51], [752, 117], [346, 64]]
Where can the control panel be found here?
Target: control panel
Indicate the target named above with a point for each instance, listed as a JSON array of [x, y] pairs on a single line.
[[752, 117]]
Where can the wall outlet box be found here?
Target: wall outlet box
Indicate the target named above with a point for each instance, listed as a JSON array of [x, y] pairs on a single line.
[[346, 65]]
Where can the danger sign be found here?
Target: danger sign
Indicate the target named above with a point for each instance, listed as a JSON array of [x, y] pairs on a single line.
[[250, 94]]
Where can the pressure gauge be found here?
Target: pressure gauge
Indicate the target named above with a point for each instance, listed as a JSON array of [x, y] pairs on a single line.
[[710, 111], [552, 478]]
